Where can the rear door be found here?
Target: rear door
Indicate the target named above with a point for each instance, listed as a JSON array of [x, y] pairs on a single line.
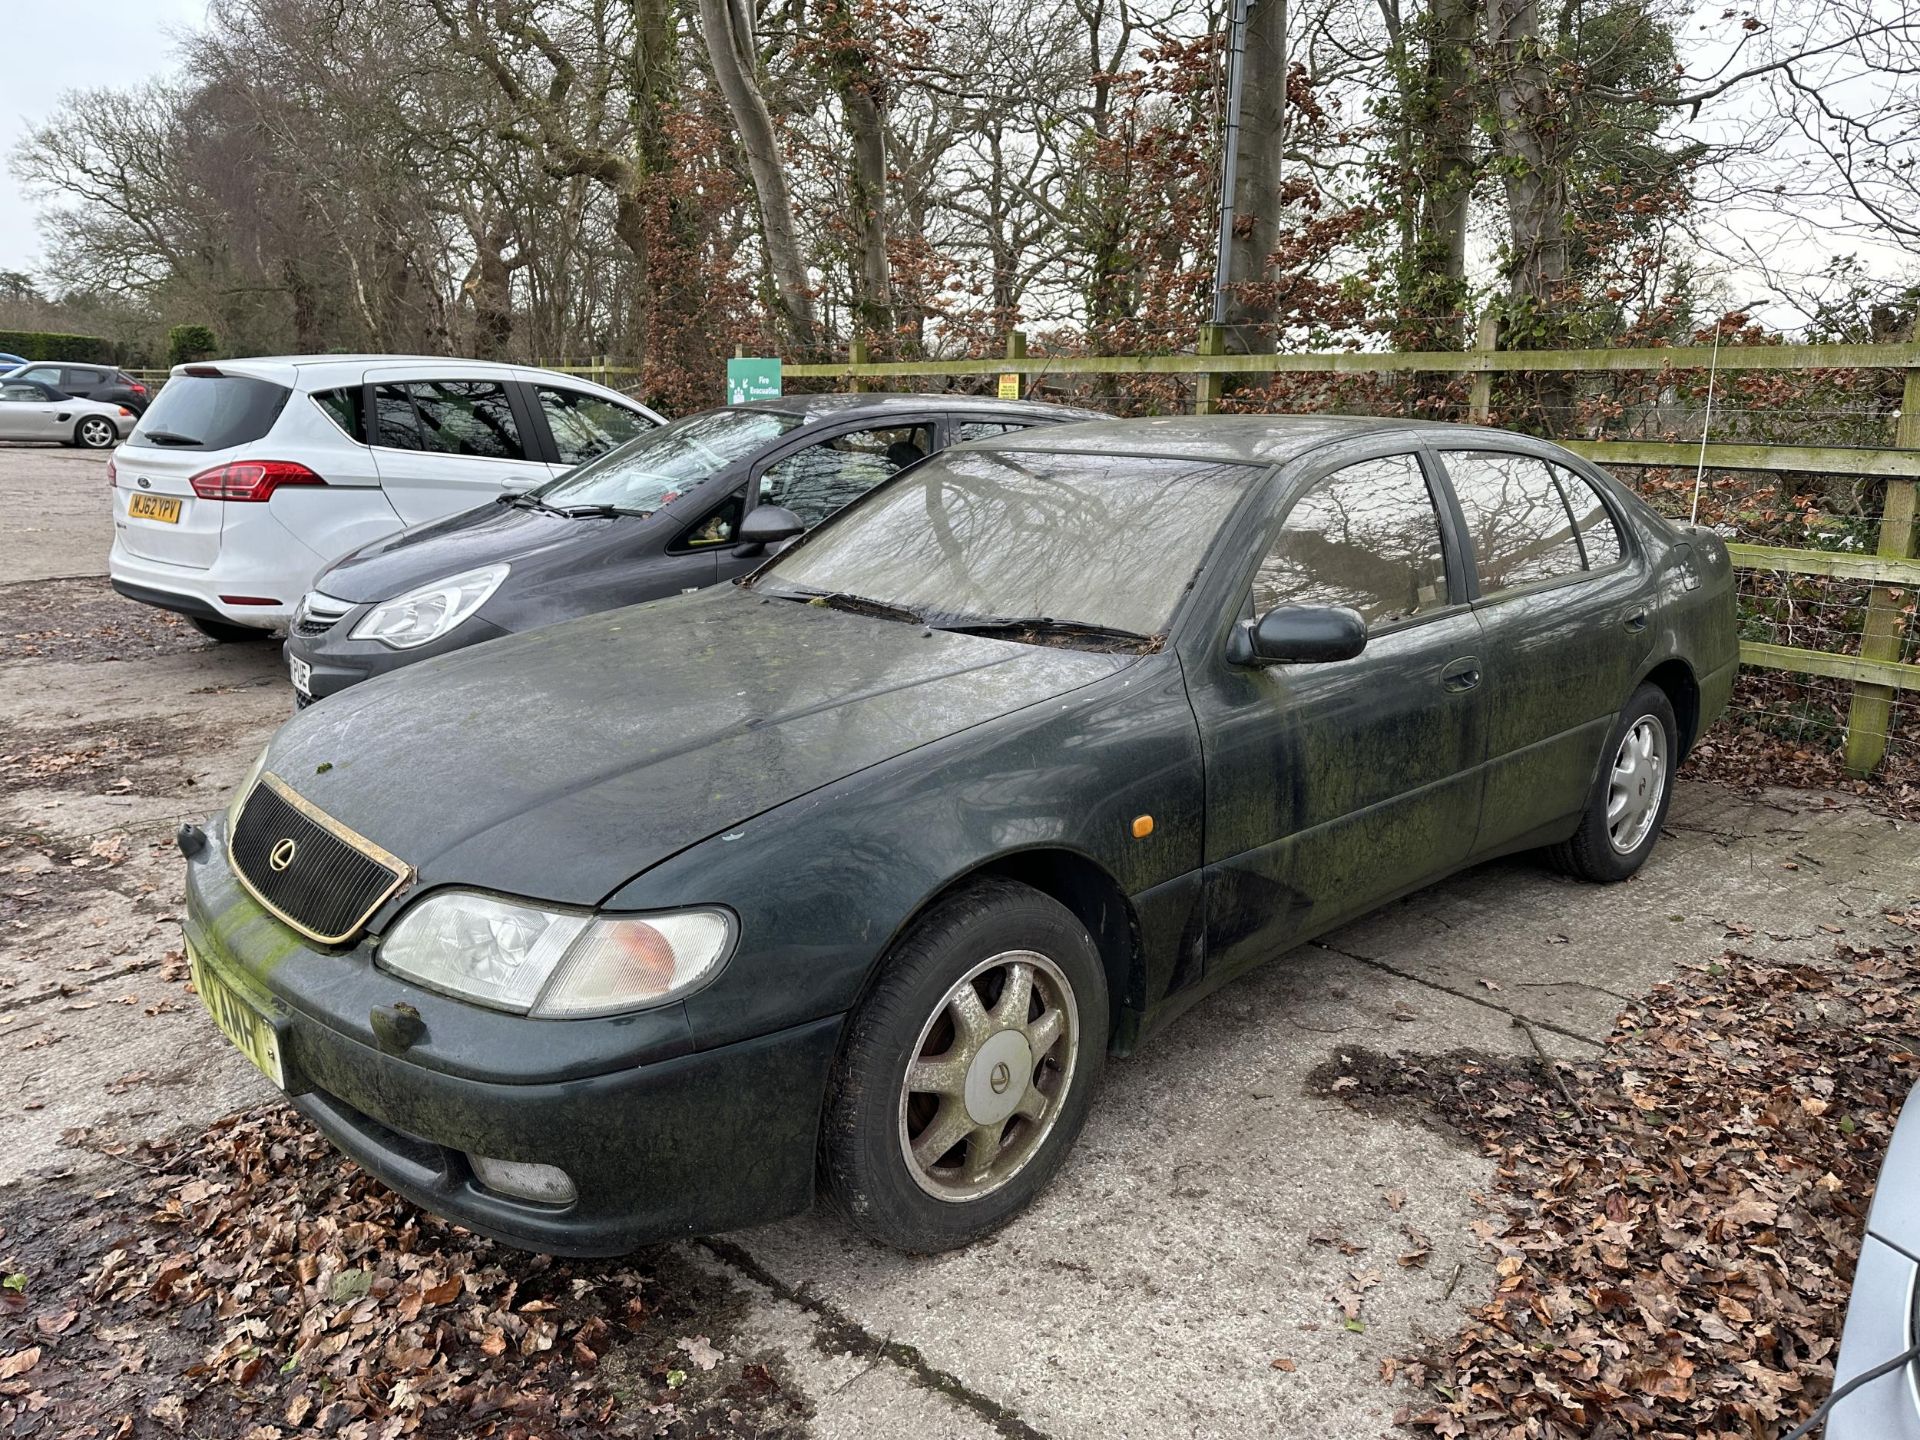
[[1563, 600], [443, 442], [86, 383]]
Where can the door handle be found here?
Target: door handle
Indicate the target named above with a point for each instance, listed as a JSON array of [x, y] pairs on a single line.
[[1636, 622], [1461, 675]]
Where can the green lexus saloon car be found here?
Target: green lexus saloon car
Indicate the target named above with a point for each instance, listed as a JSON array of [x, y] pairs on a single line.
[[847, 879]]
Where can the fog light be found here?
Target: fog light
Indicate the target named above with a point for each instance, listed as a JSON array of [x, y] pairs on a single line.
[[547, 1184]]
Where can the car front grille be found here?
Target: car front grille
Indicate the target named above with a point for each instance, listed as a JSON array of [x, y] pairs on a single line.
[[319, 613], [308, 868]]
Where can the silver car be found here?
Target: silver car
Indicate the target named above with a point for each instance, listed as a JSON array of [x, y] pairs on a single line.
[[32, 411], [1881, 1323]]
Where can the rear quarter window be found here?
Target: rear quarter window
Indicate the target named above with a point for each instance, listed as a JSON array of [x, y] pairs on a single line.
[[346, 408], [210, 412]]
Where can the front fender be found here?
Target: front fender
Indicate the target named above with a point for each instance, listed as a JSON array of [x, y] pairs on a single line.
[[823, 884]]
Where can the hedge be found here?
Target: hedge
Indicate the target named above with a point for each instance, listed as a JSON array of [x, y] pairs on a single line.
[[44, 345]]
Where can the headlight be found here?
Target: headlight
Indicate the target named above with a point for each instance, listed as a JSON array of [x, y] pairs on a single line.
[[430, 611], [553, 964], [246, 788]]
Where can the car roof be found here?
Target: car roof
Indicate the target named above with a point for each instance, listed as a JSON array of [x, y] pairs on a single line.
[[311, 371], [845, 406], [1235, 439]]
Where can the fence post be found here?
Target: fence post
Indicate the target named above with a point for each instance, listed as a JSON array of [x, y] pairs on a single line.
[[857, 355], [1480, 398], [1207, 387], [1884, 634]]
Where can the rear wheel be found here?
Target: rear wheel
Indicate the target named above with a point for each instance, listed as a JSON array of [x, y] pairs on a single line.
[[967, 1073], [1630, 797], [225, 633], [95, 432]]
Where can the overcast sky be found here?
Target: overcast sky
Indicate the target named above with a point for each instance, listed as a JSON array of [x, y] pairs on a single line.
[[46, 53], [51, 49]]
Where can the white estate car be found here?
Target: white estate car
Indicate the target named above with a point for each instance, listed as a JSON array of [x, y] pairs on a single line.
[[245, 477], [32, 411]]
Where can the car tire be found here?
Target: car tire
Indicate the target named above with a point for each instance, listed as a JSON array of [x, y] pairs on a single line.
[[1636, 774], [877, 1165], [225, 633], [96, 432]]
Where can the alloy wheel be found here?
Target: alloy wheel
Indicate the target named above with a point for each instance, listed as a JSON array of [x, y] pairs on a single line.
[[1637, 784], [988, 1076], [96, 433]]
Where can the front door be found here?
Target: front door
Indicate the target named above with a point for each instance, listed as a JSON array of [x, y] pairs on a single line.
[[835, 470], [27, 414], [1332, 787], [1563, 602]]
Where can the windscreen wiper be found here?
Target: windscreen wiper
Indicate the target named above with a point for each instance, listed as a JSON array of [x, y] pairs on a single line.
[[1044, 625], [583, 512], [168, 437], [527, 500], [855, 604]]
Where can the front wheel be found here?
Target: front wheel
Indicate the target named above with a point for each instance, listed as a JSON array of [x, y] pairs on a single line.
[[95, 432], [1630, 797], [225, 633], [967, 1072]]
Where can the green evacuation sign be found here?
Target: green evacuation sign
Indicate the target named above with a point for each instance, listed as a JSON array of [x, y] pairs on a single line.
[[752, 379]]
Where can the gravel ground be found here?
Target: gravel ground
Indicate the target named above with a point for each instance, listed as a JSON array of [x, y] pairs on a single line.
[[1221, 1213]]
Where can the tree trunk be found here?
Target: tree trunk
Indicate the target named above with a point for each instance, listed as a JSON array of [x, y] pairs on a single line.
[[1443, 119], [1533, 147], [862, 95], [488, 287], [1257, 203], [729, 35]]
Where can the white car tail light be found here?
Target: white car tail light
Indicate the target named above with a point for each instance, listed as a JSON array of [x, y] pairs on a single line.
[[251, 480]]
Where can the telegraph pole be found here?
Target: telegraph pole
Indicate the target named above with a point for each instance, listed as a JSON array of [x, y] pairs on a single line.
[[1230, 152]]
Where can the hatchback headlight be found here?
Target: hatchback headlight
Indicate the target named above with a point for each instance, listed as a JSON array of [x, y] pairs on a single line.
[[554, 964], [430, 611]]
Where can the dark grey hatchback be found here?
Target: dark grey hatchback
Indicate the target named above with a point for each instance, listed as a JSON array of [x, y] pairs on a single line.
[[853, 874], [663, 514]]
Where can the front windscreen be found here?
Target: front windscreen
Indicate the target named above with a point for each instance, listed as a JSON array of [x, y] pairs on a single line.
[[661, 465], [1104, 540]]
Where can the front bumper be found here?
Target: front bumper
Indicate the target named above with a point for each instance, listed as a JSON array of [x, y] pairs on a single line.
[[661, 1138], [1879, 1327], [339, 662]]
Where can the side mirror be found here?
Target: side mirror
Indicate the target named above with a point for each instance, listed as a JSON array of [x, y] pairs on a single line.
[[766, 525], [1298, 635]]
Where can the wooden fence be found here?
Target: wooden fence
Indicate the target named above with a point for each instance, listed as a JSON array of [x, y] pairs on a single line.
[[1876, 674]]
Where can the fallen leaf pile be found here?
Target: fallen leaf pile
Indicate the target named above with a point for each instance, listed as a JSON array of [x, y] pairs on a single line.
[[253, 1284], [1755, 748], [1675, 1250]]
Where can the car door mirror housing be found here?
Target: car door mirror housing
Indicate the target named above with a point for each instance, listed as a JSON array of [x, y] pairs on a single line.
[[766, 525], [1299, 635]]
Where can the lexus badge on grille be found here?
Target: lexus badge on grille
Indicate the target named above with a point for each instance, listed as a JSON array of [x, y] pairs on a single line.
[[282, 855]]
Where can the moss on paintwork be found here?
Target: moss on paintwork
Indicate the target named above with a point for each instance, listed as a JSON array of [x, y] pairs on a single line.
[[244, 930]]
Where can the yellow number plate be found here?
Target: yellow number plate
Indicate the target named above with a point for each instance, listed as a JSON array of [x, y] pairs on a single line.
[[245, 1026], [154, 507]]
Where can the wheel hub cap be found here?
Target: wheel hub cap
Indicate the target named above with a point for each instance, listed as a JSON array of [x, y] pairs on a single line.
[[987, 1076], [997, 1079], [1637, 784]]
